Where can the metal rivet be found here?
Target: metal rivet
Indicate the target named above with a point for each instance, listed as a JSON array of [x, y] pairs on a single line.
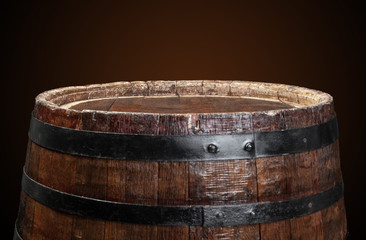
[[219, 215], [249, 146], [212, 148], [251, 212], [305, 140], [310, 205]]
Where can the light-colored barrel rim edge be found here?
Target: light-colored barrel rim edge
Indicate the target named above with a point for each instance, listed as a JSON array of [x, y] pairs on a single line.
[[297, 97]]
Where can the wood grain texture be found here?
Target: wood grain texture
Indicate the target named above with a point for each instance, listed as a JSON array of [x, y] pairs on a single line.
[[222, 182], [334, 221], [179, 104], [104, 108], [49, 224]]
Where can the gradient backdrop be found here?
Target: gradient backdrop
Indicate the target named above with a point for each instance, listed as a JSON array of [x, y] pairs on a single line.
[[53, 44]]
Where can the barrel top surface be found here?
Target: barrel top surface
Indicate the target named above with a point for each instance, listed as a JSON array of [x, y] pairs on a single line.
[[179, 104], [207, 106], [174, 97]]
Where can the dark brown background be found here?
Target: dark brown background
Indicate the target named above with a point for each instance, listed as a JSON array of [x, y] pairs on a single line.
[[53, 44]]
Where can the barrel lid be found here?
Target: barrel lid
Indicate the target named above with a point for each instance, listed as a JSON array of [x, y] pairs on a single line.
[[192, 99], [178, 104]]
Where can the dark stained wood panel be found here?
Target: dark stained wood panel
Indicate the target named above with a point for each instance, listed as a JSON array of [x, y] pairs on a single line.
[[181, 104]]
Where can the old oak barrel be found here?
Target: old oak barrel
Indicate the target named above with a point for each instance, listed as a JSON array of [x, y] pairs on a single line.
[[182, 160]]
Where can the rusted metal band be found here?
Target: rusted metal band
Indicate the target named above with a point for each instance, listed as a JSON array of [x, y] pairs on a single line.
[[196, 215], [182, 148]]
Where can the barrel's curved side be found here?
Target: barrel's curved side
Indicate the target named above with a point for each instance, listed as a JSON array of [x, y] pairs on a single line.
[[212, 183]]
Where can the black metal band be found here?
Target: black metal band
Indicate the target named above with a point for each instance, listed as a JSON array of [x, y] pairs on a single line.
[[16, 234], [208, 216], [182, 148]]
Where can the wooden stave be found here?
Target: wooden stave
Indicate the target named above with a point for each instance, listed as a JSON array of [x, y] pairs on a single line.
[[284, 119]]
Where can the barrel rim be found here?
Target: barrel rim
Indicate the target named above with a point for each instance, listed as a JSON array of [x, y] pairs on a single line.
[[299, 97]]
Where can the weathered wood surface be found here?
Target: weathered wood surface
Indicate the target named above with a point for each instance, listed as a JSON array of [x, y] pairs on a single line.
[[180, 104], [184, 183]]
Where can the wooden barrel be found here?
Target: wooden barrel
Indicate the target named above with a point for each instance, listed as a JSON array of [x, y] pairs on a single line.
[[182, 160]]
